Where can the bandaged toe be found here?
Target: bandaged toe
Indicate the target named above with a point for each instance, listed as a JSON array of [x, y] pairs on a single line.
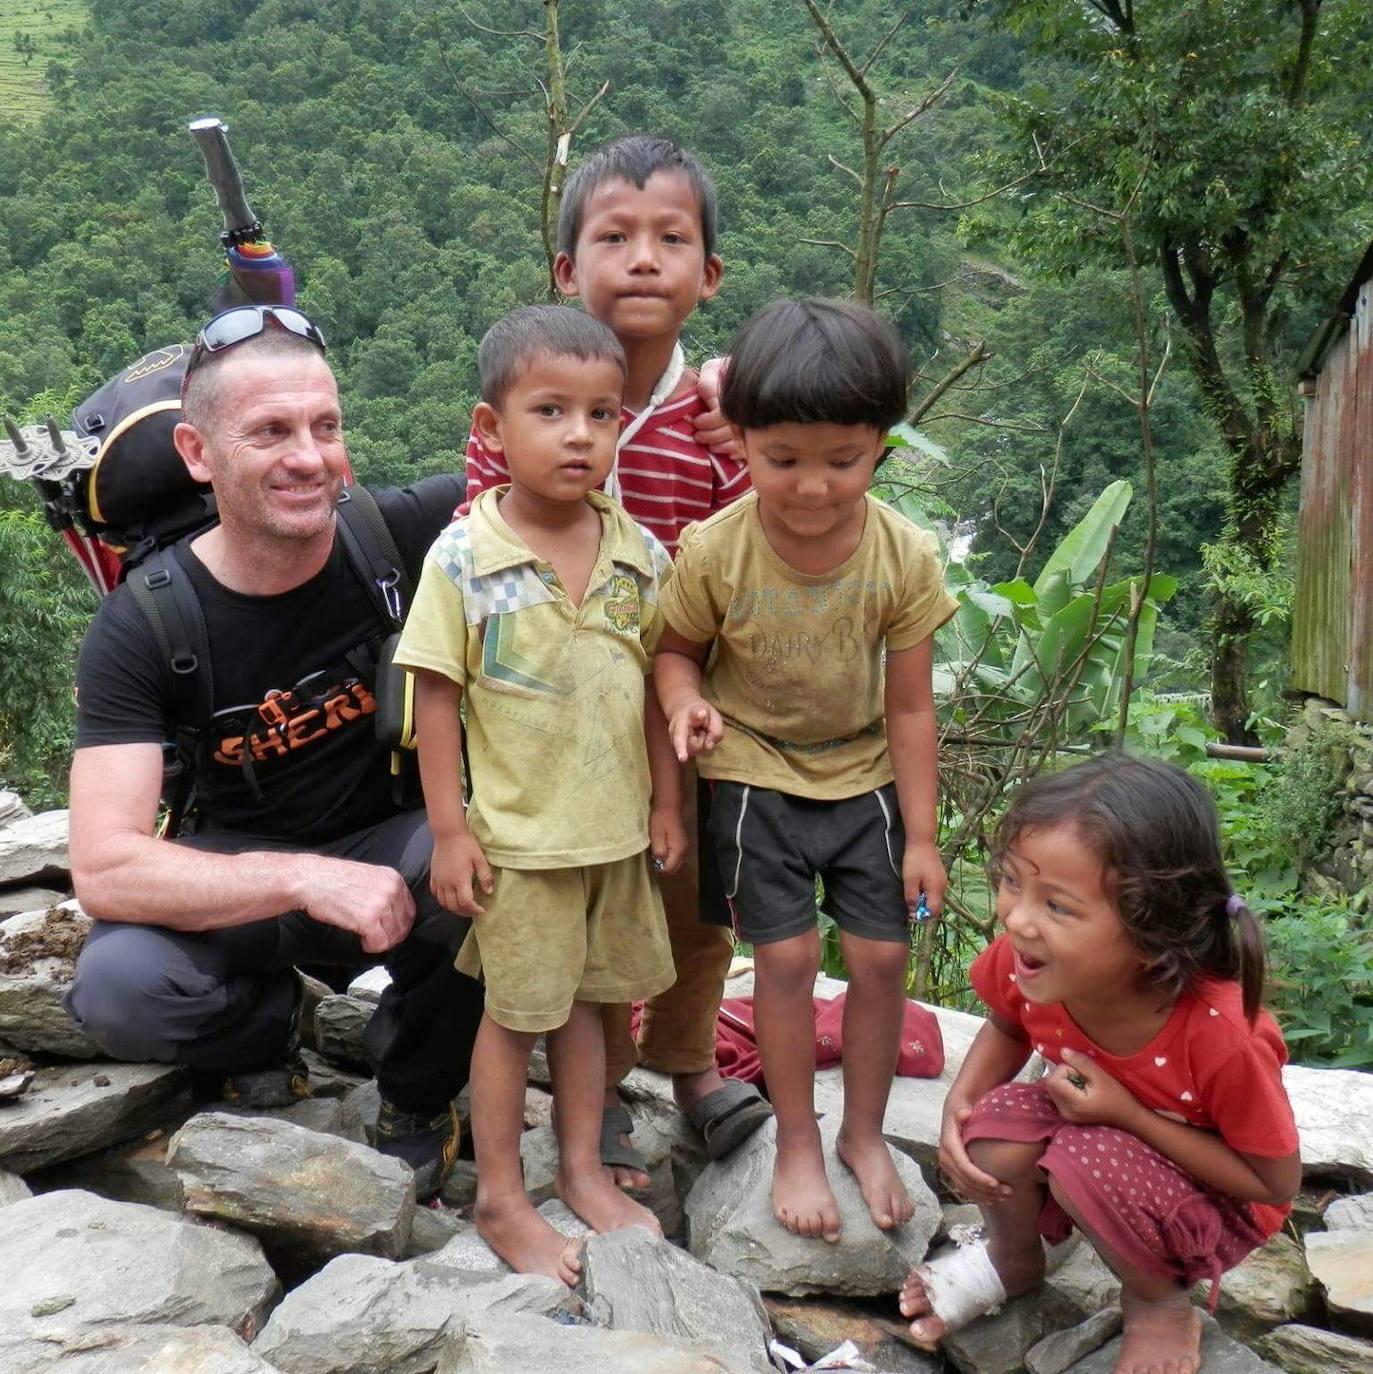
[[961, 1285]]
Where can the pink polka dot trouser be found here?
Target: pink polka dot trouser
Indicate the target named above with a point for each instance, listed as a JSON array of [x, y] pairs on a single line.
[[1140, 1205]]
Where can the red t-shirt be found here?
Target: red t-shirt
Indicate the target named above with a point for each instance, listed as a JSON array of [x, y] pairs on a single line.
[[668, 478], [1207, 1067]]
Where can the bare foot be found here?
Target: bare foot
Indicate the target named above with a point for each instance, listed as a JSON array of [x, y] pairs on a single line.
[[870, 1162], [802, 1199], [927, 1330], [525, 1241], [599, 1203], [1160, 1337]]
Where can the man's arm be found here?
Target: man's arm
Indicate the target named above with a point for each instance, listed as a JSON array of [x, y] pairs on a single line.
[[123, 872]]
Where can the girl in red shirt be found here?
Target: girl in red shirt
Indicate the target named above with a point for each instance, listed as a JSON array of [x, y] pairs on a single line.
[[1161, 1131]]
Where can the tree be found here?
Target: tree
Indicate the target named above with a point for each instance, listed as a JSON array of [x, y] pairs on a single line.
[[1235, 130]]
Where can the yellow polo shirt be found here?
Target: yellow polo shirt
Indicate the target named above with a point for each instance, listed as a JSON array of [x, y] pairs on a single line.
[[554, 692], [797, 667]]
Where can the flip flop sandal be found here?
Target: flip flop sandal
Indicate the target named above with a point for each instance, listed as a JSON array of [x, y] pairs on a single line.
[[729, 1115], [617, 1153], [962, 1284]]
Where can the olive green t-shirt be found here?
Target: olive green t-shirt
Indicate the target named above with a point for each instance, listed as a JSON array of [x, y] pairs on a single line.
[[554, 691], [797, 667]]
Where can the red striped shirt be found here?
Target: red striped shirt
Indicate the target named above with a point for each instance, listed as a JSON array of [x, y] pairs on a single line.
[[667, 477]]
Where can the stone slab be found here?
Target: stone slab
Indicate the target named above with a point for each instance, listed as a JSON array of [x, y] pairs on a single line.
[[12, 807], [1269, 1287], [1063, 1349], [73, 1110], [38, 952], [1342, 1262], [1309, 1350], [341, 1028], [34, 848], [152, 1349], [1333, 1108], [12, 1189], [1220, 1354], [1350, 1213], [16, 900], [469, 1252], [999, 1343], [135, 1171]]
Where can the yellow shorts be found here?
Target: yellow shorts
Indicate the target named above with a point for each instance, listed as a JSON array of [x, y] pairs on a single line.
[[554, 936]]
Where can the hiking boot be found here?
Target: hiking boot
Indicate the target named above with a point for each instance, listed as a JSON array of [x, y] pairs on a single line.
[[261, 1088], [428, 1144]]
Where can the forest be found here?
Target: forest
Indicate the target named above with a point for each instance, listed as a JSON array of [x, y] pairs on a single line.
[[1105, 228]]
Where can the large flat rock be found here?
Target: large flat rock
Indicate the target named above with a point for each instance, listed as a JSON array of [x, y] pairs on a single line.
[[38, 952], [75, 1264], [1350, 1213], [306, 1193], [732, 1227], [1309, 1350], [1220, 1354], [1342, 1262], [1271, 1286], [635, 1281], [361, 1313], [15, 900], [73, 1110], [146, 1350], [135, 1171], [34, 848], [1333, 1108]]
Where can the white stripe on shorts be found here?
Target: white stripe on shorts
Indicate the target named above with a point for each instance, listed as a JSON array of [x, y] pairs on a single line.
[[739, 843], [886, 816]]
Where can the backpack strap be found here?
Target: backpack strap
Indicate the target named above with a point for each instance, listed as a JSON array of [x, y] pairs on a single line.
[[371, 549]]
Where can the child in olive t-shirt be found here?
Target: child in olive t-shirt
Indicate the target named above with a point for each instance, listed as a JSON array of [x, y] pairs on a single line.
[[814, 721]]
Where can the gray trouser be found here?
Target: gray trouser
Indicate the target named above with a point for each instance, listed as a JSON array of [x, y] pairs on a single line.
[[221, 1000]]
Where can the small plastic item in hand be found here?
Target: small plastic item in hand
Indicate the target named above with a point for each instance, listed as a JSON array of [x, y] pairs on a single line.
[[658, 864], [1077, 1080], [920, 912]]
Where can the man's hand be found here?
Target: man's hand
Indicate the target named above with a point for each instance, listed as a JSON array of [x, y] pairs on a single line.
[[667, 838], [371, 900], [954, 1162], [712, 429], [1087, 1095], [696, 728], [457, 870], [922, 871]]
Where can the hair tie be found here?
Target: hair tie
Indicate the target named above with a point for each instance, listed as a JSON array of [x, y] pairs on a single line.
[[1234, 904]]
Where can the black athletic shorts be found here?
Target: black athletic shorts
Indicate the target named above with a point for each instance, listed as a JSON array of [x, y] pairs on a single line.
[[770, 848]]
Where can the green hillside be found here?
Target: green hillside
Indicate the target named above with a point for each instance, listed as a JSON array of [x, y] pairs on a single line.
[[46, 25]]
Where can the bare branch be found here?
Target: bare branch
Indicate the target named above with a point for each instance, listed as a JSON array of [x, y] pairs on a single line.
[[922, 106], [843, 167], [498, 33], [1015, 426], [586, 110], [832, 42], [829, 243], [978, 354], [884, 40]]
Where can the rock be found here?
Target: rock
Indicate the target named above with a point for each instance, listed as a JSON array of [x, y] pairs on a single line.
[[460, 1187], [38, 952], [307, 1194], [539, 1160], [1063, 1349], [341, 1028], [635, 1281], [360, 1108], [469, 1252], [1309, 1350], [998, 1344], [133, 1172], [152, 1349], [83, 1107], [34, 848], [75, 1263], [963, 1214], [1083, 1283], [1350, 1214], [12, 1189], [733, 1229], [369, 986], [432, 1229], [15, 900], [12, 808], [1333, 1108], [664, 1137], [1219, 1355], [538, 1108], [1342, 1262], [1271, 1286], [361, 1314], [328, 1079], [815, 1326], [500, 1345]]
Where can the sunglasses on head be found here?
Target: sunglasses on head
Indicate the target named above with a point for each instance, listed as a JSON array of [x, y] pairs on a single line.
[[244, 322]]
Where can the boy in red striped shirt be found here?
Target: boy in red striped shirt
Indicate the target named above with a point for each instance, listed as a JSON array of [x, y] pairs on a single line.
[[636, 237]]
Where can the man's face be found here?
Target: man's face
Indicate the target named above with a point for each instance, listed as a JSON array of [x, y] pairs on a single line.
[[274, 452]]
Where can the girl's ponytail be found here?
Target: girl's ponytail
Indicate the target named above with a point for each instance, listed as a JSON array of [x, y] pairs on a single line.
[[1248, 943]]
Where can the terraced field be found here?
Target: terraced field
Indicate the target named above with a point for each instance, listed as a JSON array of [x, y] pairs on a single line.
[[23, 94]]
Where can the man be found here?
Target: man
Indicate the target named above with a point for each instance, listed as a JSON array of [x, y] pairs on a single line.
[[302, 856]]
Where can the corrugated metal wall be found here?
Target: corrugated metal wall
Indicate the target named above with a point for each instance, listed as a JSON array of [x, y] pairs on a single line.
[[1332, 621]]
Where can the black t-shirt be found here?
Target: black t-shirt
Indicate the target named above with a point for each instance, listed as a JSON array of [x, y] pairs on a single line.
[[289, 690]]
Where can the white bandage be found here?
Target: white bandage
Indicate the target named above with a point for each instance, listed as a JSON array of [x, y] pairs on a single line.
[[962, 1284]]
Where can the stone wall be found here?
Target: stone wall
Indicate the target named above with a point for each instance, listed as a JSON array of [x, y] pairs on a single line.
[[1347, 867]]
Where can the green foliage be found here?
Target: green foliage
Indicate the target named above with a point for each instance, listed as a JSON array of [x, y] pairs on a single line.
[[1305, 801], [30, 35], [1321, 986]]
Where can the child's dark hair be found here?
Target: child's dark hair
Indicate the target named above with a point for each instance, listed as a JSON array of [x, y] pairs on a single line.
[[535, 331], [635, 158], [1157, 835], [816, 361]]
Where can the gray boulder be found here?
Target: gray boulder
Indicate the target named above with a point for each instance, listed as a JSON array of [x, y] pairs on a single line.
[[75, 1264], [16, 900], [1342, 1262], [635, 1281], [308, 1194], [1333, 1108], [13, 1189], [146, 1350], [502, 1345], [732, 1227], [133, 1172], [1309, 1350], [360, 1314], [38, 952], [12, 808], [1064, 1349], [1219, 1355], [1350, 1213], [34, 848], [1000, 1343], [370, 985], [73, 1110], [1271, 1286], [341, 1029]]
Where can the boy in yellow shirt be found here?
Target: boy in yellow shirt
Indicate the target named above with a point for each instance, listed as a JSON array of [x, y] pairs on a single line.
[[539, 610], [813, 720]]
